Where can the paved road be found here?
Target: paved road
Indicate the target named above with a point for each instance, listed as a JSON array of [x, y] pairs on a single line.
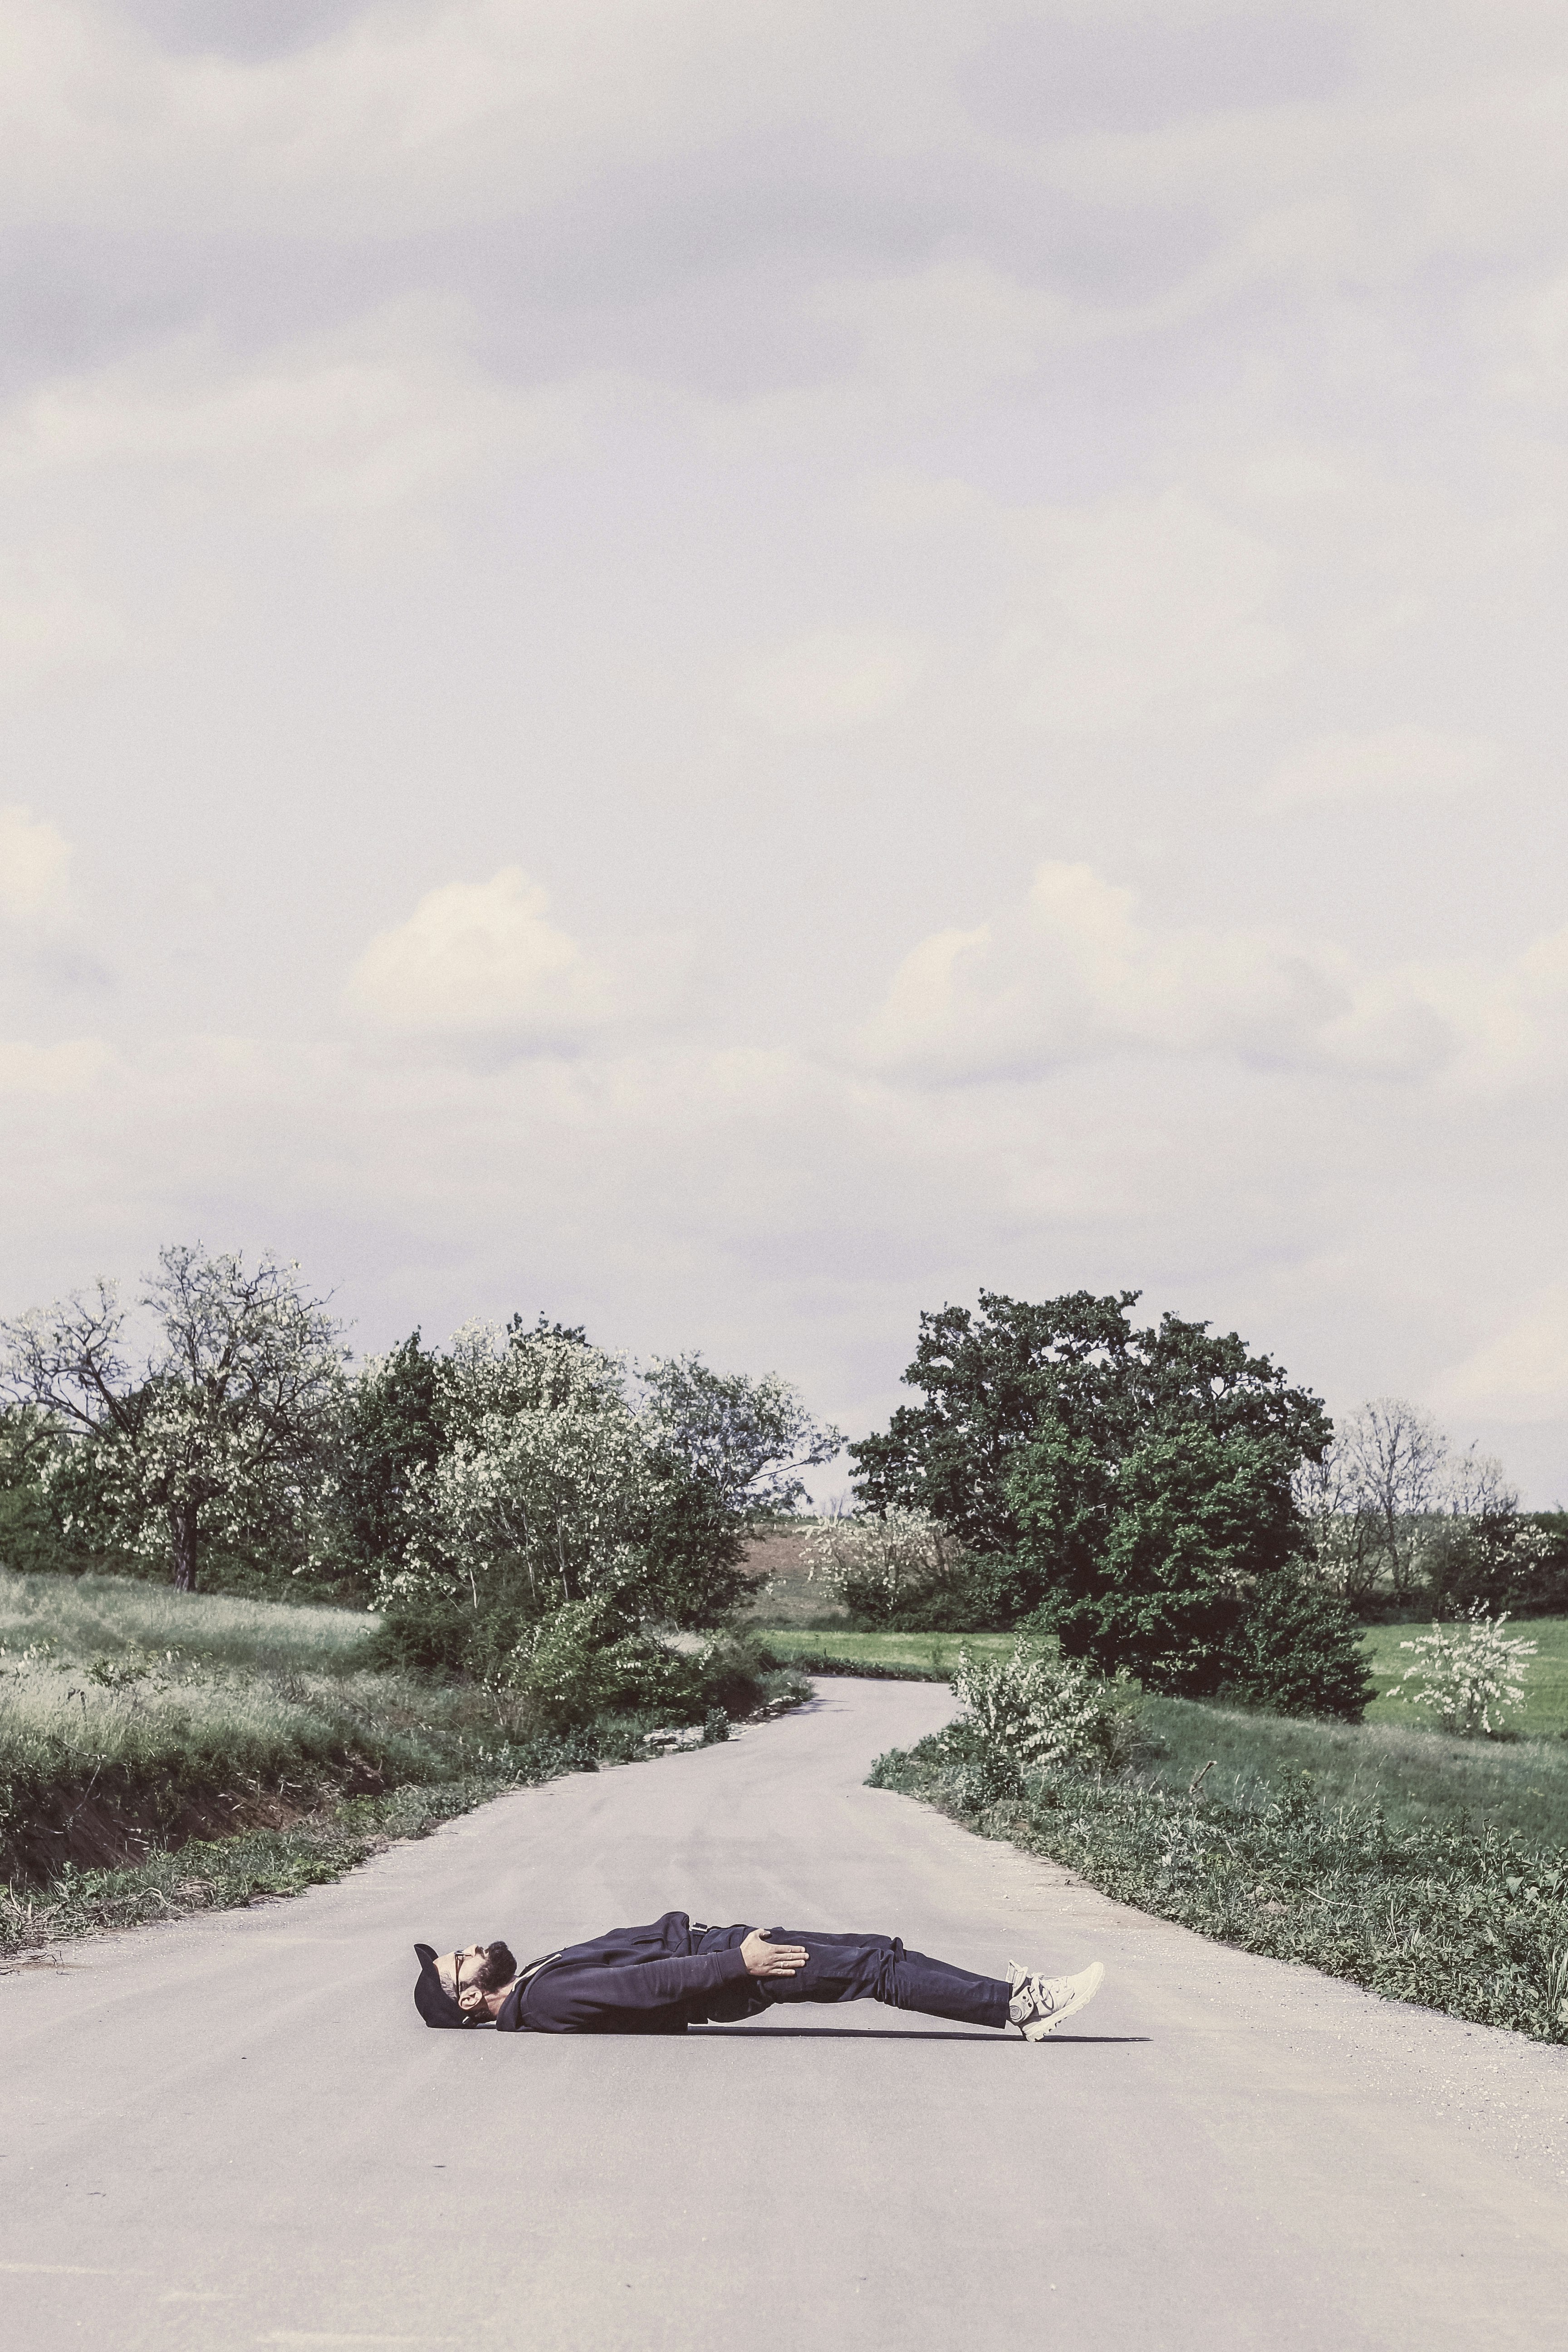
[[234, 2132]]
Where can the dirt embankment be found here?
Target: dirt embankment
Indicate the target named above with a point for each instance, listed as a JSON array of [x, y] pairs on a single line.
[[100, 1825]]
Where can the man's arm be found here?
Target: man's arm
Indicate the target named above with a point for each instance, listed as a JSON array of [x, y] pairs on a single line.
[[569, 2000]]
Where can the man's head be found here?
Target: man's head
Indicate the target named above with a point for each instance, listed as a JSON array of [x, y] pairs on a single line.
[[463, 1986]]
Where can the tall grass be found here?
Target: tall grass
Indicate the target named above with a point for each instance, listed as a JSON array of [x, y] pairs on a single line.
[[134, 1720], [1419, 1778], [78, 1618]]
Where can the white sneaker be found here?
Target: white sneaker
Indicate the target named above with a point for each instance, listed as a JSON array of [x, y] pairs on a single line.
[[1039, 2004]]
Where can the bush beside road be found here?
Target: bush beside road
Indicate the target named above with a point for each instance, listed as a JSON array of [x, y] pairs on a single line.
[[1470, 1921], [161, 1750]]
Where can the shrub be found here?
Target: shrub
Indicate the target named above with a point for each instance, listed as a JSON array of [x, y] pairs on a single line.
[[900, 1570], [1297, 1651], [422, 1632], [1467, 1679], [1043, 1712], [577, 1666]]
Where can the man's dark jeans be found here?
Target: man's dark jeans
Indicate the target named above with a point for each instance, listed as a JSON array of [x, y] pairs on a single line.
[[867, 1967]]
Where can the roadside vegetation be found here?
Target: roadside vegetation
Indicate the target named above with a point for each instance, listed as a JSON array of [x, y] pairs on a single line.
[[266, 1606], [1541, 1713], [1429, 1870], [162, 1751]]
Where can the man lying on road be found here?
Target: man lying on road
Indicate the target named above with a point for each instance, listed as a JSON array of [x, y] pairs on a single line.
[[676, 1973]]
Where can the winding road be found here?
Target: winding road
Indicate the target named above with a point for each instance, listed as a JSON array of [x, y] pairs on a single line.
[[234, 2132]]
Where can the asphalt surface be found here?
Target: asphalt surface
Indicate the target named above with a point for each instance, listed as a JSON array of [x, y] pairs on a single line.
[[234, 2131]]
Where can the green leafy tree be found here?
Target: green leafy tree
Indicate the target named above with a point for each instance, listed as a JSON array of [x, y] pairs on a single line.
[[992, 1380], [1138, 1479], [30, 1537], [386, 1438], [213, 1433], [1181, 1563], [726, 1455], [1147, 1557]]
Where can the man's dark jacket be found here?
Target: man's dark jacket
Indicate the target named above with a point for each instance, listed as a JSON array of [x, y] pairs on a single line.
[[650, 1979]]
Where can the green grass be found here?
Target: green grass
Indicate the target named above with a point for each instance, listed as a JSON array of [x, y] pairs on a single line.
[[1464, 1920], [79, 1618], [136, 1724], [130, 1717], [1545, 1713], [1418, 1777], [915, 1657]]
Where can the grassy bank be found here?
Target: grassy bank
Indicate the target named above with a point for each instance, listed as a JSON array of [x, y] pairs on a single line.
[[932, 1656], [1465, 1919], [223, 1873], [131, 1718], [904, 1658], [153, 1742], [1419, 1778]]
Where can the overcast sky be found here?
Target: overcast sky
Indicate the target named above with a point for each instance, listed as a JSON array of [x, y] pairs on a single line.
[[729, 669]]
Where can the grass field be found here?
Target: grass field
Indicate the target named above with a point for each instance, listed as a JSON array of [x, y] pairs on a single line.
[[1544, 1713], [133, 1717], [110, 1616], [921, 1657], [1416, 1776]]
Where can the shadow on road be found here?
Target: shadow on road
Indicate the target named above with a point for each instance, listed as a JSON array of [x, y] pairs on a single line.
[[890, 2034]]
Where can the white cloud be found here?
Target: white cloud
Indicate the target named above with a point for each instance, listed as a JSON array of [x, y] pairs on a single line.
[[51, 625], [35, 870], [1143, 607], [1528, 336], [1390, 763], [946, 332], [1078, 973], [1521, 1374], [387, 408], [482, 961], [829, 680]]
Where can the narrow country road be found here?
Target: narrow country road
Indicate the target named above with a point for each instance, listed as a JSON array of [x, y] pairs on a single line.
[[234, 2131]]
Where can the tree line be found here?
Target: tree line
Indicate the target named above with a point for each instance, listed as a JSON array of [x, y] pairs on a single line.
[[1167, 1501], [216, 1427], [1160, 1499]]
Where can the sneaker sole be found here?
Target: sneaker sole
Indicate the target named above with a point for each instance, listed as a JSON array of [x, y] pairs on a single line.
[[1039, 2028]]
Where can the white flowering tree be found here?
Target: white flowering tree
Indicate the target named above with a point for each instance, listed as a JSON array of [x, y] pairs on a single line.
[[546, 1473], [207, 1434], [566, 1476], [1041, 1710], [1467, 1677], [892, 1552]]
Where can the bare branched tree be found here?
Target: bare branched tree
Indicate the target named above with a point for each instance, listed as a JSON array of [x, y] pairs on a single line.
[[211, 1431], [1394, 1458]]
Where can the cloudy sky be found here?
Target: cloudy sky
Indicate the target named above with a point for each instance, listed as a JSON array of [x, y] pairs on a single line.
[[731, 668]]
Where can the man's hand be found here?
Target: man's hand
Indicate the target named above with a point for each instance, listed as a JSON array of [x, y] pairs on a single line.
[[765, 1959]]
